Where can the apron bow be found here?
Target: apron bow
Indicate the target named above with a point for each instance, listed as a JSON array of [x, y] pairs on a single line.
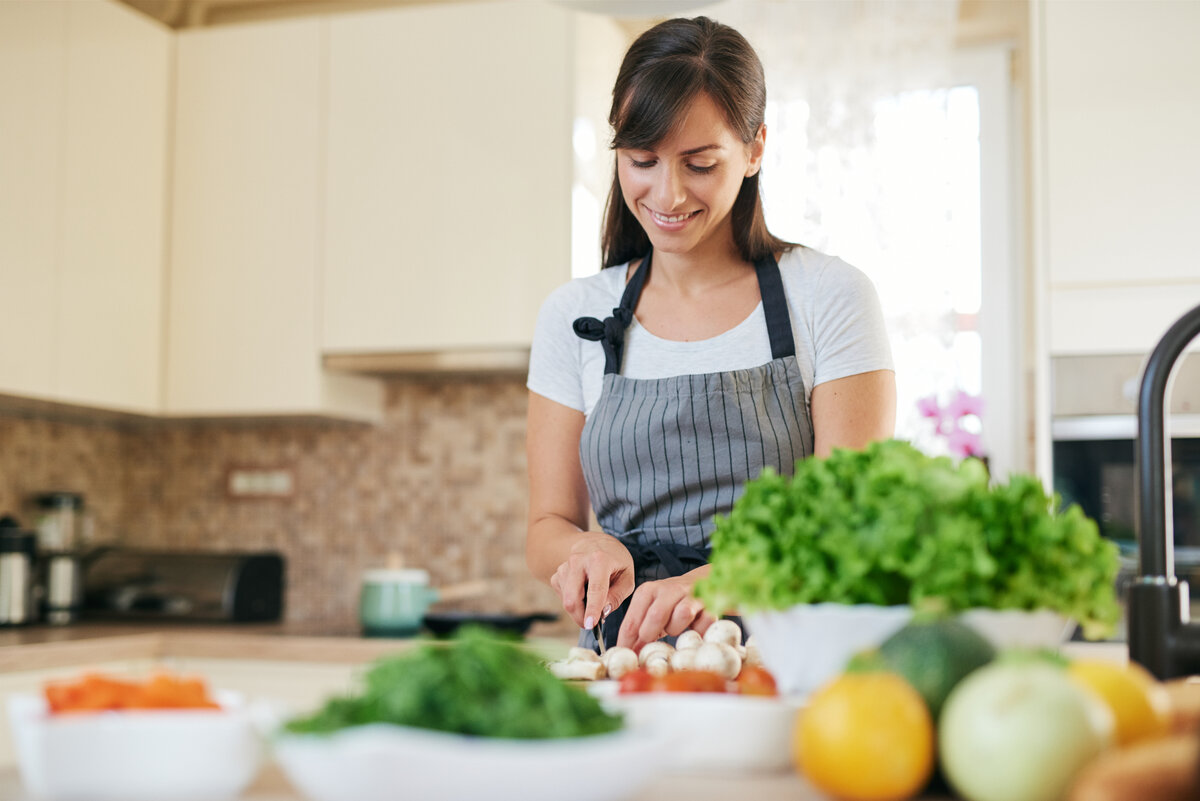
[[609, 332]]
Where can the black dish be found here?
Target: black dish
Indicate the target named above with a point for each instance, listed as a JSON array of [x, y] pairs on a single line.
[[443, 624]]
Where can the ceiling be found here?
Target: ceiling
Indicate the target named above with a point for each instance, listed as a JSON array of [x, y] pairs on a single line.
[[979, 21], [180, 14], [199, 13]]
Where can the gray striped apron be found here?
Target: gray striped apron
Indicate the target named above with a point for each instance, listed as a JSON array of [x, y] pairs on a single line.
[[662, 456]]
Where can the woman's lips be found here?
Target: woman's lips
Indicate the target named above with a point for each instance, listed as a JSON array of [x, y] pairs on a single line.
[[672, 222]]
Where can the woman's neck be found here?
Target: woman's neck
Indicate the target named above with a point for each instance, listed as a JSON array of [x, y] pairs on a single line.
[[698, 270]]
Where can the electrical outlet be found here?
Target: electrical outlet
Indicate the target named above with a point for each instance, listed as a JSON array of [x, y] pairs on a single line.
[[259, 482]]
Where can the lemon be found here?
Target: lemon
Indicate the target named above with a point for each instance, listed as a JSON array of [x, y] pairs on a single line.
[[1139, 703]]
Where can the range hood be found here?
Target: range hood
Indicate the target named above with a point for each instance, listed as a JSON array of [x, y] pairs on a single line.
[[508, 361]]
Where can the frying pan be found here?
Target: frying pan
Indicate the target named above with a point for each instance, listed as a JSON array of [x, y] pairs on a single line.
[[443, 624]]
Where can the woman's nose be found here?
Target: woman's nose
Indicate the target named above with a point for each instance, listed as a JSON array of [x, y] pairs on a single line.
[[668, 189]]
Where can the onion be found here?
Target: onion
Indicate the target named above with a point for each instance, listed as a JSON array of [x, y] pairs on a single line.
[[1019, 732]]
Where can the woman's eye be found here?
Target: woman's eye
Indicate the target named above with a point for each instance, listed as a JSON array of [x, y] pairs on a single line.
[[701, 169], [641, 164]]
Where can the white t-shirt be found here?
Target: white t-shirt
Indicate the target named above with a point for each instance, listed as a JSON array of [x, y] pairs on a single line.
[[836, 320]]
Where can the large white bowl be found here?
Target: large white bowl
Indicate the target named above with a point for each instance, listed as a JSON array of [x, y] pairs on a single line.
[[384, 762], [136, 755], [716, 733], [808, 644]]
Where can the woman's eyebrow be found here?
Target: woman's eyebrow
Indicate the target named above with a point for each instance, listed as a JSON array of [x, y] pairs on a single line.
[[700, 149]]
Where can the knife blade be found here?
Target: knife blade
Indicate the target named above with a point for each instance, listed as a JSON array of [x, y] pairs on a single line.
[[599, 632]]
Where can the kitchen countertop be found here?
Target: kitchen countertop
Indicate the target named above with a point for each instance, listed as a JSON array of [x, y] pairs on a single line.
[[272, 785], [41, 647], [35, 648]]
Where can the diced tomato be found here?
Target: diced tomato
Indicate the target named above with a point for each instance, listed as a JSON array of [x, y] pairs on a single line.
[[755, 680], [637, 680], [694, 681]]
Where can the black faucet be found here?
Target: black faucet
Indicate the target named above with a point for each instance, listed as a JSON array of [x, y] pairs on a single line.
[[1162, 637]]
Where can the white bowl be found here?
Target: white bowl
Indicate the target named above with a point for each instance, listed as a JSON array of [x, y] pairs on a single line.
[[1016, 628], [135, 755], [716, 733], [384, 762], [808, 644]]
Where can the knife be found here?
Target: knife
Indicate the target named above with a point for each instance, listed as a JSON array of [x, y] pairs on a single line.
[[599, 632]]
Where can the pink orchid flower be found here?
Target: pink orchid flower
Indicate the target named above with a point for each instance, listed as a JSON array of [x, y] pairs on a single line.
[[928, 407], [964, 404], [964, 443]]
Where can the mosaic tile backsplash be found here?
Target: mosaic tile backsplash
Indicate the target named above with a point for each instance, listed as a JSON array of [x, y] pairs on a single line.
[[441, 484]]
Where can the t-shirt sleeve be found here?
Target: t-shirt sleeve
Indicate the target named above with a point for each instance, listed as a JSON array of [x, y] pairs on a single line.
[[554, 357], [849, 335]]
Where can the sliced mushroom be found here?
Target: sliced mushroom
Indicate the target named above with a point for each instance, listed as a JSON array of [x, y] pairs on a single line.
[[689, 639], [577, 654], [618, 661], [725, 631], [578, 669], [651, 649]]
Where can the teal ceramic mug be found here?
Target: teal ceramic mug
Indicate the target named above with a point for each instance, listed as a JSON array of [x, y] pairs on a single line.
[[392, 602]]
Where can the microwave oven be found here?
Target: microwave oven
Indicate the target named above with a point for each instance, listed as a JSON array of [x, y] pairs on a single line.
[[1094, 433], [1098, 474]]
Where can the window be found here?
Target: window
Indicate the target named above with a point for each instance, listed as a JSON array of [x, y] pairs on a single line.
[[920, 202]]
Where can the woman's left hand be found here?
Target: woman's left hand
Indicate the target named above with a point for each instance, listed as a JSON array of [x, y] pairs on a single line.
[[663, 608]]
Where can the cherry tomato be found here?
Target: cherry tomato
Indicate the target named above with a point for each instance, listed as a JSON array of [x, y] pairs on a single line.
[[637, 680], [694, 681], [755, 680]]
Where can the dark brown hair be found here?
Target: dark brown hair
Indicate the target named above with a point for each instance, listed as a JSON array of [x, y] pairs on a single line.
[[664, 70]]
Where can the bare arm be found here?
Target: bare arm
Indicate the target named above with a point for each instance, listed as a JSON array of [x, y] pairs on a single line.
[[853, 411], [590, 570]]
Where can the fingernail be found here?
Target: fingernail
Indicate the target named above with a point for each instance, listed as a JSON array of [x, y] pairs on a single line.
[[608, 610], [589, 623]]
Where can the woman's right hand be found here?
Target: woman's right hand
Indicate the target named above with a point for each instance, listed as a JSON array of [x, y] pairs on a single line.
[[596, 577]]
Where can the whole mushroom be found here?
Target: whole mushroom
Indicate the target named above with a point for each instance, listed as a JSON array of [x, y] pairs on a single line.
[[724, 631], [652, 649], [719, 658], [619, 660], [683, 659]]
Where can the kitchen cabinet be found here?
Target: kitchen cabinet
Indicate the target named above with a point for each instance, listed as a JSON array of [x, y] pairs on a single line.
[[32, 73], [1120, 114], [243, 309], [84, 92], [448, 177]]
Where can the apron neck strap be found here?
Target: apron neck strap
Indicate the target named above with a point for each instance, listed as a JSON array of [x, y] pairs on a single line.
[[775, 309], [610, 332]]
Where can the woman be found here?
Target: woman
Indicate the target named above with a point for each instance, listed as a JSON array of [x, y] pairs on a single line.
[[745, 350]]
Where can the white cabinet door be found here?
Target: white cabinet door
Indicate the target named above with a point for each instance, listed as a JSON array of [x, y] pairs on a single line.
[[1121, 105], [448, 179], [32, 70], [109, 301], [84, 91], [243, 303]]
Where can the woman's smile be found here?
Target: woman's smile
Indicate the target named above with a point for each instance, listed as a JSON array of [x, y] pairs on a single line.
[[672, 222]]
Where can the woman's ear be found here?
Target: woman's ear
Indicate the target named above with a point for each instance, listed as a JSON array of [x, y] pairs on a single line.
[[756, 150]]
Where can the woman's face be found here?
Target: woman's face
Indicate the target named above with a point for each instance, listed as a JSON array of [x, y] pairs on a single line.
[[682, 190]]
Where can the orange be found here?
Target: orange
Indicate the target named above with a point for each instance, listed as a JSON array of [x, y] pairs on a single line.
[[866, 737], [1139, 703]]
